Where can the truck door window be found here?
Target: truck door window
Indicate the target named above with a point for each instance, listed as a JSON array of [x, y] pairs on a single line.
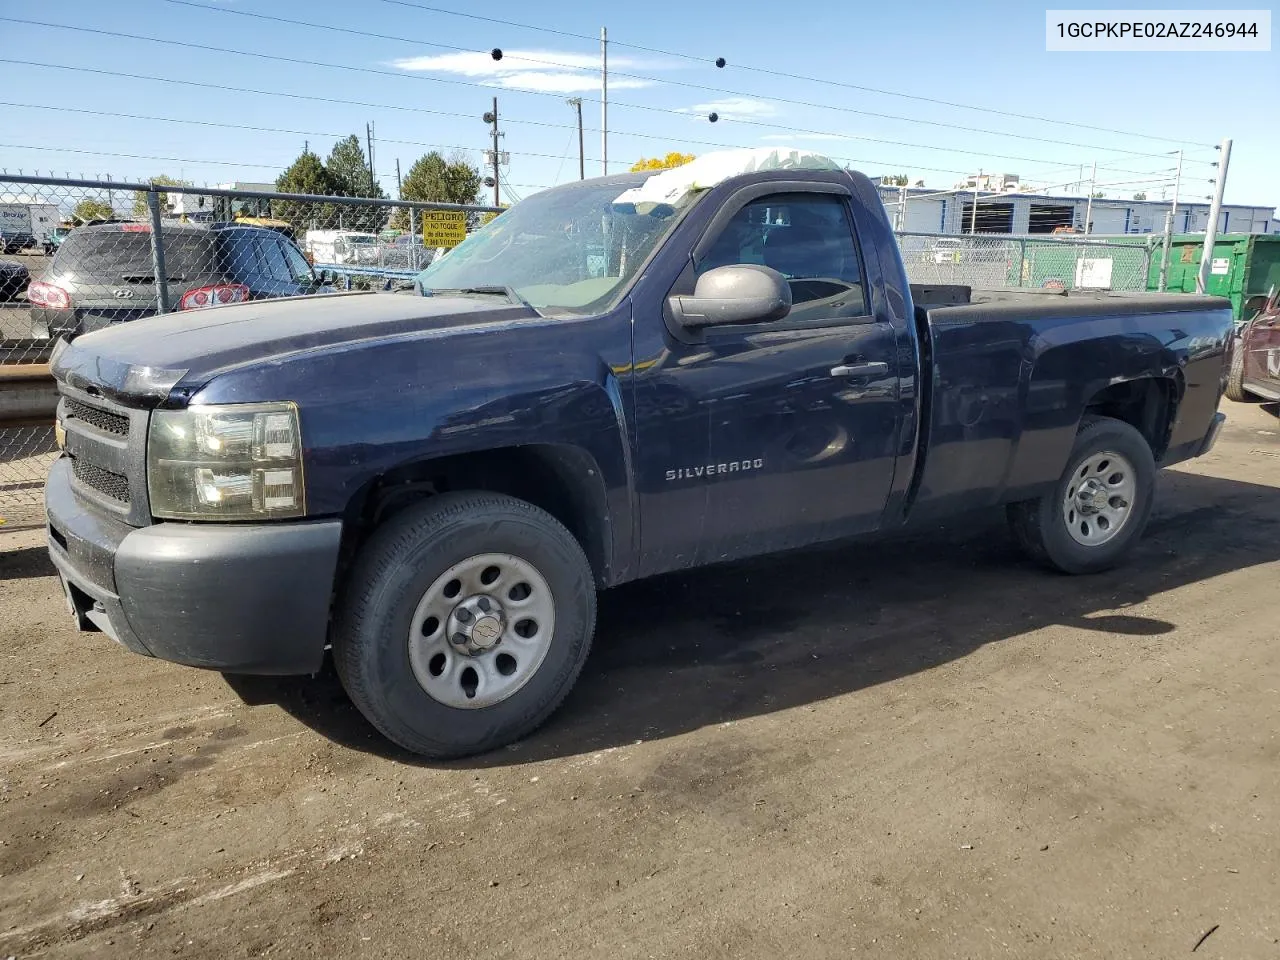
[[809, 239]]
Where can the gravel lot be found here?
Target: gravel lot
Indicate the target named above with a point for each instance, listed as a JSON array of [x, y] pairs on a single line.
[[918, 748]]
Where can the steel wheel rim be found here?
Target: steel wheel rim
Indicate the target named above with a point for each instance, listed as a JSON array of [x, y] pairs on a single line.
[[1099, 498], [481, 630]]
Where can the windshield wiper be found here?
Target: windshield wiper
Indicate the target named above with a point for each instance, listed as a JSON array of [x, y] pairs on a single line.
[[489, 290]]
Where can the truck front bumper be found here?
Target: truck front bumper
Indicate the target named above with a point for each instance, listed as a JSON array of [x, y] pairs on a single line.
[[251, 598]]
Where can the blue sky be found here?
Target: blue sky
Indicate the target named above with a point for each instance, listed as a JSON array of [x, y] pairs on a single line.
[[989, 56]]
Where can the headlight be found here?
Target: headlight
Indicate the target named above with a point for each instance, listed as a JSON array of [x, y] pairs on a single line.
[[234, 462]]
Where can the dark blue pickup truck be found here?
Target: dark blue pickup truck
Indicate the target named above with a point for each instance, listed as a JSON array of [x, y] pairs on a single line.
[[607, 382]]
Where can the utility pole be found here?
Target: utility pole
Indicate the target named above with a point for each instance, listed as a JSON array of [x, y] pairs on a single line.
[[973, 216], [1088, 207], [1215, 211], [576, 103], [1177, 184], [902, 208], [368, 140], [399, 184], [493, 119], [604, 100], [1168, 229]]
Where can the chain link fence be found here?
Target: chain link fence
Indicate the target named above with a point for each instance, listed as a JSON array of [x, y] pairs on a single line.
[[989, 261]]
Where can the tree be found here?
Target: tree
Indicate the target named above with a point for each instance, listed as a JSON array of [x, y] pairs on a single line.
[[1098, 194], [1140, 195], [436, 180], [350, 169], [673, 159], [896, 180], [307, 175], [140, 208], [89, 209]]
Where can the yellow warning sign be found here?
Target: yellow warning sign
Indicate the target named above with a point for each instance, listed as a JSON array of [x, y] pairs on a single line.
[[443, 228]]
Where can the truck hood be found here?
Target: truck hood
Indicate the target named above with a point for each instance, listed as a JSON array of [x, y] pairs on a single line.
[[140, 363]]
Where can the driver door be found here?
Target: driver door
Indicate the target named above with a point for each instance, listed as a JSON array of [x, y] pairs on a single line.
[[802, 413]]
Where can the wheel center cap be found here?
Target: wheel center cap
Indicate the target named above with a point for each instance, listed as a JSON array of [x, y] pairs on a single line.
[[1092, 497], [486, 632]]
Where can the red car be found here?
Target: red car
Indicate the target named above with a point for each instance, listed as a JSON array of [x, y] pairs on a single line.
[[1255, 364]]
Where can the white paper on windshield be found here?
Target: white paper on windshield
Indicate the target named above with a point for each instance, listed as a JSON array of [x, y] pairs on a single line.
[[671, 186]]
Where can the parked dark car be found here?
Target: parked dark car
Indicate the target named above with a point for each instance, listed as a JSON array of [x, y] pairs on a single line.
[[16, 242], [614, 379], [104, 274], [1255, 364], [14, 278]]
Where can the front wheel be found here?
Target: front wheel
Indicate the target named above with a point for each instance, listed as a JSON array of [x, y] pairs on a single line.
[[464, 623], [1095, 515]]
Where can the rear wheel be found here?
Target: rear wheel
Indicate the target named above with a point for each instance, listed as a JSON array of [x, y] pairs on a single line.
[[464, 623], [1096, 513], [1235, 376]]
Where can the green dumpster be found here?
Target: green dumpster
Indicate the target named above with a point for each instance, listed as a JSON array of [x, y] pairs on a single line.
[[1244, 265]]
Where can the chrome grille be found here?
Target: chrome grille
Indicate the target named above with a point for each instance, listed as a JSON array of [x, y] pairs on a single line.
[[102, 419], [109, 484]]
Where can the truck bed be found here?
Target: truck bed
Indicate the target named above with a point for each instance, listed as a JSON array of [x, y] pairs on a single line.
[[1007, 376]]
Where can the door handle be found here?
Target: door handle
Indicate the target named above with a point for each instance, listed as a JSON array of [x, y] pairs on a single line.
[[876, 369]]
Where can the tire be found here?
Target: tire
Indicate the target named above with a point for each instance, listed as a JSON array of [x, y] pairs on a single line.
[[1051, 531], [401, 583], [1235, 376]]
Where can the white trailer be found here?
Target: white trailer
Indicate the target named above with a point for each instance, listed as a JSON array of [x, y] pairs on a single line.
[[27, 223], [343, 247]]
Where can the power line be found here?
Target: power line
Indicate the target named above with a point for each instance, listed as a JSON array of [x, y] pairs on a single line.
[[634, 106], [660, 80], [791, 76], [314, 98], [707, 89], [139, 156], [241, 126], [331, 100]]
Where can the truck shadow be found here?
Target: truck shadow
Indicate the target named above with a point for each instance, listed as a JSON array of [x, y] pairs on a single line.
[[725, 643]]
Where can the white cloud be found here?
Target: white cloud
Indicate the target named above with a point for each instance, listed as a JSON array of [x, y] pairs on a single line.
[[551, 71], [732, 108], [563, 82], [787, 137]]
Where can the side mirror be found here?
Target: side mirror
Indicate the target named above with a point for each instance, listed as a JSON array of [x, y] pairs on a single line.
[[737, 293]]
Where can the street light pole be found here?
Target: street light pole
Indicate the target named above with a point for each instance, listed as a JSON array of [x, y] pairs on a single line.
[[1088, 207], [1168, 229], [495, 153], [604, 100], [576, 103]]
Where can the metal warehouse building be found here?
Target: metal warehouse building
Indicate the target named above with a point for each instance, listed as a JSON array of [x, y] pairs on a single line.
[[923, 210]]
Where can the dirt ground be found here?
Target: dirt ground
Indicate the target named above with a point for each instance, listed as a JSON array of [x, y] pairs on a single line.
[[918, 748]]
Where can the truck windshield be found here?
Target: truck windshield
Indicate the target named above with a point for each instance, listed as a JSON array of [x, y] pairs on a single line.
[[566, 251]]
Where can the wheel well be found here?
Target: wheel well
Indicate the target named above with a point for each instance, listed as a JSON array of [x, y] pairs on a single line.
[[560, 479], [1147, 405]]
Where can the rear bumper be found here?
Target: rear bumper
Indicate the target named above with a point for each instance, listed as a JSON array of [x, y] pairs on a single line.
[[237, 598], [73, 322], [53, 323]]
